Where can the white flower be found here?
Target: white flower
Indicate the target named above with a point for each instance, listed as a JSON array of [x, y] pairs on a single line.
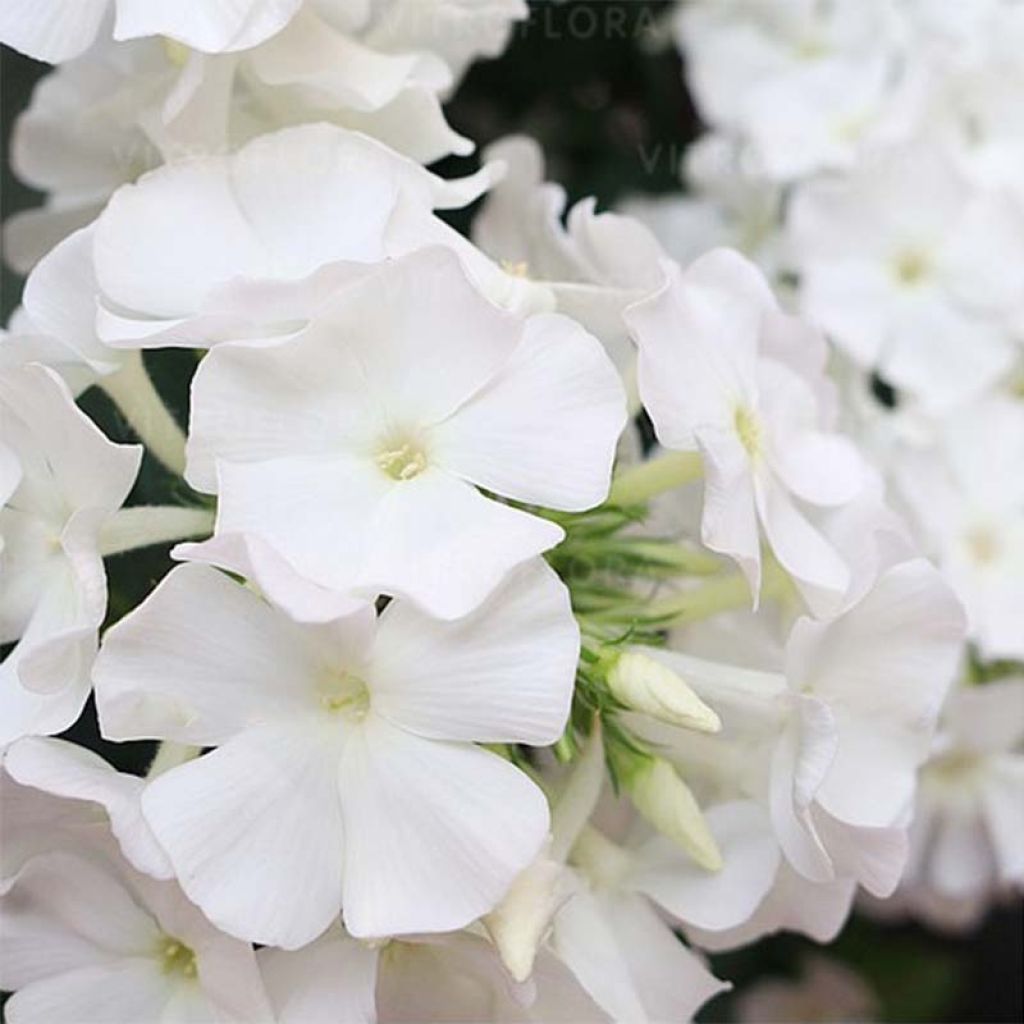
[[234, 246], [723, 371], [594, 265], [86, 938], [443, 978], [833, 746], [60, 481], [967, 497], [77, 780], [354, 447], [609, 935], [806, 84], [56, 30], [726, 205], [912, 272], [345, 775], [968, 829]]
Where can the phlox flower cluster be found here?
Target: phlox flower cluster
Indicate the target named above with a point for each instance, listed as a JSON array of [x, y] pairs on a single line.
[[469, 705], [868, 157]]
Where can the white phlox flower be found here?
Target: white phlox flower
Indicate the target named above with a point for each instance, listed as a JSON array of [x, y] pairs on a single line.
[[66, 797], [967, 497], [353, 448], [913, 272], [345, 775], [831, 746], [723, 371], [215, 247], [724, 205], [439, 978], [61, 481], [594, 265], [806, 85], [967, 836], [84, 936]]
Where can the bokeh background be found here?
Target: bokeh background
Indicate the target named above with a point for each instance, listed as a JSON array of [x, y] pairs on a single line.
[[588, 79]]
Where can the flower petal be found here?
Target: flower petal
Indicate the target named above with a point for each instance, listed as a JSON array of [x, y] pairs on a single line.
[[544, 429], [503, 674], [254, 832], [435, 832], [200, 659]]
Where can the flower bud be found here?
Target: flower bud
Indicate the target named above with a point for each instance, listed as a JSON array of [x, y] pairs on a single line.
[[662, 797], [518, 924], [643, 684]]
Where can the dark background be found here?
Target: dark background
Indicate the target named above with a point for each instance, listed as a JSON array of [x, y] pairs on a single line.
[[613, 117]]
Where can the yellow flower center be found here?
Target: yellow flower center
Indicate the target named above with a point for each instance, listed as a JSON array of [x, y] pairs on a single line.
[[176, 958], [748, 429], [402, 460], [342, 693], [912, 267]]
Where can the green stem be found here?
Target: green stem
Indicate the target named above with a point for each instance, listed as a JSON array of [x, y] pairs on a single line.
[[711, 598], [132, 391], [641, 482], [144, 525]]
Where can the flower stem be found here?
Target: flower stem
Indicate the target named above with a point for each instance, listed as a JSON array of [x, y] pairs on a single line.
[[144, 525], [133, 393], [642, 482], [718, 595]]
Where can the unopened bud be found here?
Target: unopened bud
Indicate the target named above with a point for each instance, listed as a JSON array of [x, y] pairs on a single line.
[[643, 684], [518, 924], [662, 797]]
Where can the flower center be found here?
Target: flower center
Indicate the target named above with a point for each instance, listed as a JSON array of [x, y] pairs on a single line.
[[176, 958], [912, 267], [520, 269], [982, 546], [402, 460], [748, 429], [342, 693]]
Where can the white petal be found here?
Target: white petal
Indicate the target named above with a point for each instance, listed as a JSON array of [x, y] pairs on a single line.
[[253, 830], [875, 857], [961, 862], [824, 469], [544, 429], [60, 297], [114, 993], [1003, 810], [720, 900], [672, 982], [729, 518], [800, 548], [222, 25], [249, 556], [585, 940], [435, 832], [51, 30], [799, 763], [503, 674], [89, 469], [333, 979], [885, 665], [66, 770], [64, 912], [201, 658], [443, 545]]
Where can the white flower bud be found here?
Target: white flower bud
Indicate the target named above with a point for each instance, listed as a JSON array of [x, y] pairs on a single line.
[[518, 924], [643, 684], [662, 797]]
